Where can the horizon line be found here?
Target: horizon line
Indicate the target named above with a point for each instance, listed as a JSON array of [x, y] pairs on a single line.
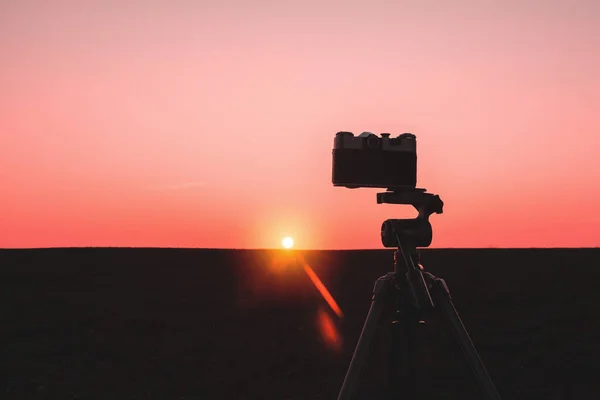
[[281, 249]]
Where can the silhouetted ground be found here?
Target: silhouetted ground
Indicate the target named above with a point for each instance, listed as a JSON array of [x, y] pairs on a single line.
[[219, 324]]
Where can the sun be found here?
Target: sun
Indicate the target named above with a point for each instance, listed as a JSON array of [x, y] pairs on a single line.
[[287, 242]]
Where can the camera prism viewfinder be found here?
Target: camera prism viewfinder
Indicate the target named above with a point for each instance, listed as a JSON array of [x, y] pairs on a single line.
[[368, 160]]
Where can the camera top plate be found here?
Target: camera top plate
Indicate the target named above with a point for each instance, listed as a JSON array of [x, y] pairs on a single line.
[[405, 142]]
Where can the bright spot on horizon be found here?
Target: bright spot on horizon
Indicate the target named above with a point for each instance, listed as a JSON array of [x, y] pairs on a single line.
[[287, 242]]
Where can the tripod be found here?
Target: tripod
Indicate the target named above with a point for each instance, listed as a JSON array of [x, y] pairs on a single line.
[[411, 292]]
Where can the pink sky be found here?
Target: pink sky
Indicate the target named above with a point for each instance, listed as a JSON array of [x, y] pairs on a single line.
[[211, 124]]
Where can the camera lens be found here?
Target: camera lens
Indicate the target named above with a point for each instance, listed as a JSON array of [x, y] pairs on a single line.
[[372, 142]]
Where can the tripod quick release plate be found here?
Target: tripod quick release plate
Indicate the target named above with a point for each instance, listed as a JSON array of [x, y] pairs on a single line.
[[425, 203]]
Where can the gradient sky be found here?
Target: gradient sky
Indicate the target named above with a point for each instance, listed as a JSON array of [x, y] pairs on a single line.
[[211, 123]]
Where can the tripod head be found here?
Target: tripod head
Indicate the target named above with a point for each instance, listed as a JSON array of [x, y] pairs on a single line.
[[410, 233]]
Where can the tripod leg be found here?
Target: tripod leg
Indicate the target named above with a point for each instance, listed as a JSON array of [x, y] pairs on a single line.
[[403, 355], [380, 293], [443, 301]]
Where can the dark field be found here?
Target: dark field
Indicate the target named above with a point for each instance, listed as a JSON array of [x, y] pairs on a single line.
[[220, 324]]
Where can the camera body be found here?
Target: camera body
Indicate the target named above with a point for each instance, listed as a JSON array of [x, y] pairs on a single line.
[[368, 160]]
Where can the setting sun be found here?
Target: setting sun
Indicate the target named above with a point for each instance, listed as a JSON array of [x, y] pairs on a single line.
[[287, 242]]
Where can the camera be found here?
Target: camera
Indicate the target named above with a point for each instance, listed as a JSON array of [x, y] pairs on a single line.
[[368, 160]]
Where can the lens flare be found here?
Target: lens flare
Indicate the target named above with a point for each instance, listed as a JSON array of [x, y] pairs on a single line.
[[323, 290], [328, 330]]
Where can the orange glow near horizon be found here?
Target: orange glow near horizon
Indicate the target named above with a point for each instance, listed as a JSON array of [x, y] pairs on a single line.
[[264, 284], [211, 124]]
